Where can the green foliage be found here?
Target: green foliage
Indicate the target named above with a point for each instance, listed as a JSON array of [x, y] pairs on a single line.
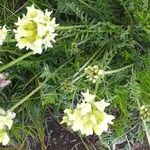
[[107, 33]]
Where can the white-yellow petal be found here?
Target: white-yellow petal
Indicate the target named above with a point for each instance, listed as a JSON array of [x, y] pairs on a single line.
[[101, 105], [88, 97], [93, 119], [3, 34], [87, 129], [85, 108], [4, 138], [6, 119]]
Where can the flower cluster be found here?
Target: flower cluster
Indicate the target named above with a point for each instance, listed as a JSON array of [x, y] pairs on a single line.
[[93, 73], [3, 80], [35, 30], [89, 116], [6, 121], [145, 112], [3, 34], [67, 86]]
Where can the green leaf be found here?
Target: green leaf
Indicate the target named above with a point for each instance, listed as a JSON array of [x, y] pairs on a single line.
[[48, 99]]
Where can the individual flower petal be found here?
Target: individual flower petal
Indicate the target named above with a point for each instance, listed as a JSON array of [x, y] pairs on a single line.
[[2, 111], [87, 129], [88, 97], [103, 121], [85, 108], [4, 138], [101, 105], [93, 119], [34, 14], [3, 34]]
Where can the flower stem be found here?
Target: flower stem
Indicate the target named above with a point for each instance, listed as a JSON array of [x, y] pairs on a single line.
[[10, 41], [36, 89], [86, 147], [29, 95], [82, 68], [144, 125], [77, 78], [97, 86], [88, 6], [70, 27], [117, 70], [146, 131], [15, 61]]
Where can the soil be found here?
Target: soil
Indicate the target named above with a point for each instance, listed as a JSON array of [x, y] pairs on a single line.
[[59, 137]]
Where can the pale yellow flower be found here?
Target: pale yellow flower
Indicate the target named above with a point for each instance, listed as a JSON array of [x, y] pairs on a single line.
[[4, 138], [101, 105], [89, 116], [6, 118], [6, 121], [36, 30], [3, 34], [88, 97]]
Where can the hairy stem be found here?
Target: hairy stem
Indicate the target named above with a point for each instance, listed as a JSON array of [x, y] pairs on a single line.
[[28, 96], [118, 70], [15, 61]]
